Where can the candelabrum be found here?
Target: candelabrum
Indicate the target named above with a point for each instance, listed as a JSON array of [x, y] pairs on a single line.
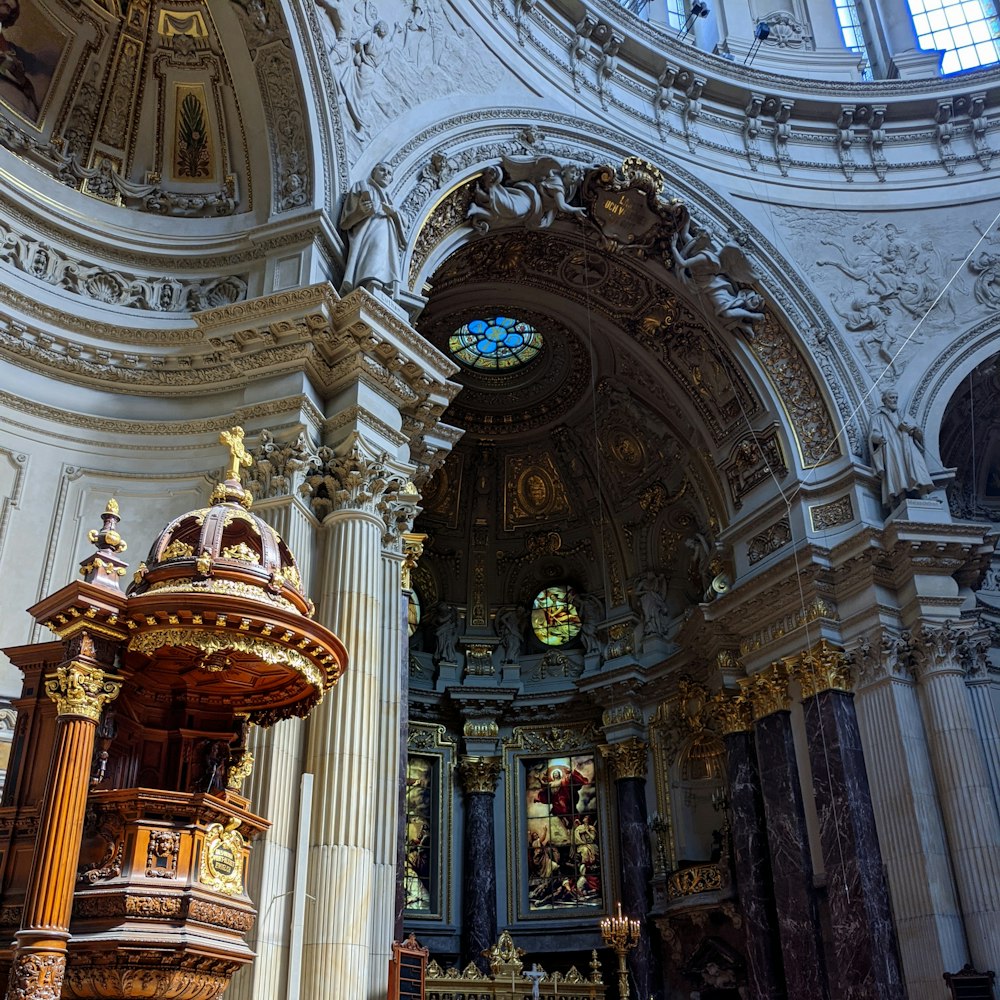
[[622, 933]]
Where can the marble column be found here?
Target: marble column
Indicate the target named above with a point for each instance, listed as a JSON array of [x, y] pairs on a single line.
[[80, 687], [985, 711], [751, 859], [787, 836], [907, 814], [628, 762], [343, 735], [970, 816], [865, 959], [478, 778]]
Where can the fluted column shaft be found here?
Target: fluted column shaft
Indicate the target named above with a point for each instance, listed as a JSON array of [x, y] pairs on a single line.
[[341, 752], [970, 815], [864, 940], [387, 776], [788, 842], [80, 691], [478, 777], [752, 868], [988, 723], [931, 939], [273, 790]]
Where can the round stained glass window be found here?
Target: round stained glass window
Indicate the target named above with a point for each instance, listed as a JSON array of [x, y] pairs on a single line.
[[555, 617], [496, 344]]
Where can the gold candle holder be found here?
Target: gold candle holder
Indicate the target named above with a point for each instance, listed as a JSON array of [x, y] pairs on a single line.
[[622, 933]]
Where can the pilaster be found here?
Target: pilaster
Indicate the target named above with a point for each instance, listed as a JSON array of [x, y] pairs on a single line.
[[907, 813], [964, 790]]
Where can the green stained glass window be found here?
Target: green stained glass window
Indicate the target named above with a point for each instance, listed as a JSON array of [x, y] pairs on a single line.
[[555, 617], [496, 344]]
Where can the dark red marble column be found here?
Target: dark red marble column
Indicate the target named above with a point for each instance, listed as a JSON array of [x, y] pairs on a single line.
[[628, 767], [865, 961], [751, 859], [478, 777], [787, 837]]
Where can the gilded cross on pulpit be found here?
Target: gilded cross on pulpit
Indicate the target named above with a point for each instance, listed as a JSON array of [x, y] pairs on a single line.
[[238, 455]]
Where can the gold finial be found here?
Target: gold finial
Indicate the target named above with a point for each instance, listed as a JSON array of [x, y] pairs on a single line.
[[238, 455], [105, 566]]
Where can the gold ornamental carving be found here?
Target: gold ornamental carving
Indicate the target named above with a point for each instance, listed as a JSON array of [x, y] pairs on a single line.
[[627, 759], [222, 858], [833, 514], [79, 689], [479, 775], [36, 976], [768, 691], [213, 643], [481, 729], [694, 880], [413, 549], [822, 668], [731, 713]]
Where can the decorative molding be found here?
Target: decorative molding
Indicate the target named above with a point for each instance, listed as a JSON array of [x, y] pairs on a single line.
[[833, 514], [81, 690], [769, 540]]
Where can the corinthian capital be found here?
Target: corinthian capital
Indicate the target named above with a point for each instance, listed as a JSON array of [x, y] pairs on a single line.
[[479, 774], [938, 649], [882, 655], [82, 690], [627, 759]]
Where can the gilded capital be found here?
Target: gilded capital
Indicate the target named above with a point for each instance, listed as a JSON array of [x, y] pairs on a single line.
[[627, 758], [413, 549], [731, 713], [479, 774], [825, 667], [767, 690], [79, 689]]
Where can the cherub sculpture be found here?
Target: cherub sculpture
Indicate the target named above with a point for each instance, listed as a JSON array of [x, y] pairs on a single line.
[[531, 192], [715, 277]]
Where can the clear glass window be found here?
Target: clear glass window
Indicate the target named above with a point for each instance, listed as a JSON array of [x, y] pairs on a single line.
[[967, 31], [850, 29]]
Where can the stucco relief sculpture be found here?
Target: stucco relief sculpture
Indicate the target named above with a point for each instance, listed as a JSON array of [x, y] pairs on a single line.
[[375, 234], [591, 615], [715, 276], [528, 192], [387, 57], [897, 453]]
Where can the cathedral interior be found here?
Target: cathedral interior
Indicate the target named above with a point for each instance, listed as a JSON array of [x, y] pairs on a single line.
[[620, 391]]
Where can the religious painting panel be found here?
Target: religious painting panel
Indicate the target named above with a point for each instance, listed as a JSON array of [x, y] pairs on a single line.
[[562, 850], [421, 876]]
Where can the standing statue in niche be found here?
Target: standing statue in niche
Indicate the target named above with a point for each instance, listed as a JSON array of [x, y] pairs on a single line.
[[715, 278], [651, 597], [510, 626], [446, 634], [374, 232], [591, 614], [896, 452], [530, 192]]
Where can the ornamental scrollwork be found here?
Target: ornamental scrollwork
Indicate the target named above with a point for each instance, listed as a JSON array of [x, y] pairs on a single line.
[[36, 977], [79, 689]]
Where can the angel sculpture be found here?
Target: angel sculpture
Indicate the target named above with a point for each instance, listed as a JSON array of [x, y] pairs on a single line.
[[535, 192], [716, 276]]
